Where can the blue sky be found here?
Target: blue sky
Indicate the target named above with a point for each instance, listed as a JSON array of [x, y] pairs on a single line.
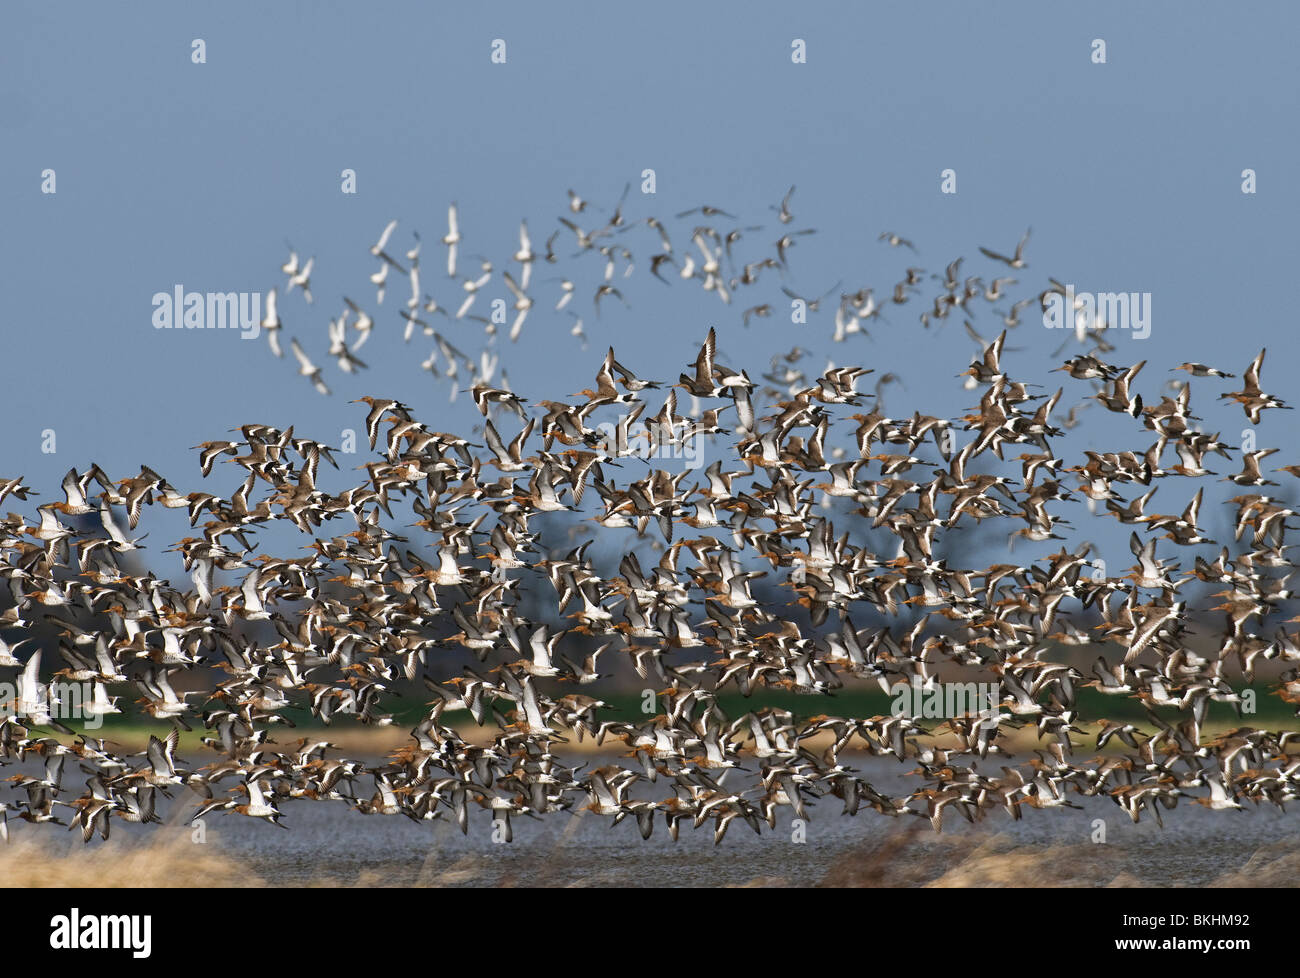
[[171, 172]]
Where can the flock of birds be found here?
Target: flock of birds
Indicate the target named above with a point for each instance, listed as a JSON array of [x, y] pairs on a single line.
[[723, 258], [811, 557]]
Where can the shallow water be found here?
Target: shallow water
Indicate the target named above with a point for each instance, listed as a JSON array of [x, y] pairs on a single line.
[[328, 843]]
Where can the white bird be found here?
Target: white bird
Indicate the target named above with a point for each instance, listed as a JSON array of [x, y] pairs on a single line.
[[271, 324], [101, 703], [121, 542], [783, 212], [378, 248], [567, 295], [31, 694], [472, 285], [483, 372], [301, 277], [377, 280], [451, 239], [258, 806], [414, 301], [339, 345], [525, 255], [161, 754], [412, 321], [449, 353], [1219, 799], [308, 369], [254, 609], [522, 304], [430, 363], [7, 651], [1018, 261], [577, 329], [363, 325]]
